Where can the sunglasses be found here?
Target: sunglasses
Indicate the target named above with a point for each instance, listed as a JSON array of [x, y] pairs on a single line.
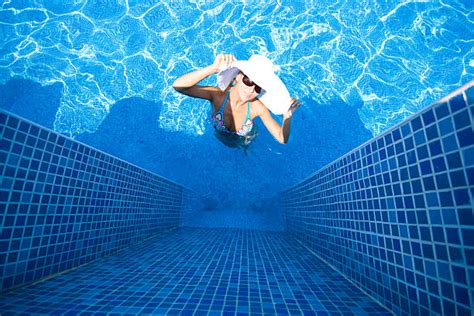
[[250, 83]]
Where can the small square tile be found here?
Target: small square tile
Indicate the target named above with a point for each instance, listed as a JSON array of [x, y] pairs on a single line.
[[470, 95], [441, 110], [457, 103], [465, 137]]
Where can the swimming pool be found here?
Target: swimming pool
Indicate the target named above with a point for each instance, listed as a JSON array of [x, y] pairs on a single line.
[[101, 72], [106, 75]]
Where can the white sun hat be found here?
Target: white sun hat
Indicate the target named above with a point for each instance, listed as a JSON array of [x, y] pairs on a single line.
[[261, 70]]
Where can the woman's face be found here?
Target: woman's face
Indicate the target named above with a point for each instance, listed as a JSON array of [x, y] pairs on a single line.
[[245, 92]]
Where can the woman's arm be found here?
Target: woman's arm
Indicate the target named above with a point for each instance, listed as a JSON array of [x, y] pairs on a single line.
[[281, 133], [187, 84]]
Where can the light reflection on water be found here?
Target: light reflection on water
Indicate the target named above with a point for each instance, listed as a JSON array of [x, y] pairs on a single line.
[[391, 59]]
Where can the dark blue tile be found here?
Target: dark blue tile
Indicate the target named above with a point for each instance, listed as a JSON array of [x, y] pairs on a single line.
[[446, 198], [467, 236], [24, 127], [435, 148], [422, 152], [20, 137], [380, 143], [34, 130], [406, 188], [450, 143], [441, 110], [446, 126], [43, 134], [454, 160], [394, 176], [420, 138], [390, 151], [405, 130], [5, 145], [409, 143], [447, 289], [465, 137], [462, 120], [432, 132], [13, 122], [457, 103], [442, 181], [462, 295], [404, 175], [419, 203], [462, 197], [428, 251], [438, 234], [459, 274], [425, 167], [401, 160], [470, 95], [399, 148], [438, 164], [414, 173], [17, 148], [416, 124], [435, 304], [31, 141], [457, 178], [466, 217], [432, 199], [428, 117], [468, 155], [8, 133], [469, 255], [408, 202], [3, 118], [448, 307], [396, 135]]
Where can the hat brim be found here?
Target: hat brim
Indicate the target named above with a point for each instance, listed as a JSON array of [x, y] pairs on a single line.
[[275, 95]]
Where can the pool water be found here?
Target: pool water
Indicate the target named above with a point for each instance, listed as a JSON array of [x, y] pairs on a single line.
[[101, 72]]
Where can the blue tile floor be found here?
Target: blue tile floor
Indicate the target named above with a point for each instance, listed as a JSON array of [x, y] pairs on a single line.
[[200, 271]]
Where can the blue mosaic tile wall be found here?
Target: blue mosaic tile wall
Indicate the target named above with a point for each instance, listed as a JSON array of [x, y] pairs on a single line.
[[395, 215], [64, 204]]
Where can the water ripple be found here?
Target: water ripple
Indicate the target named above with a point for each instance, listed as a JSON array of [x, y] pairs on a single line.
[[389, 59]]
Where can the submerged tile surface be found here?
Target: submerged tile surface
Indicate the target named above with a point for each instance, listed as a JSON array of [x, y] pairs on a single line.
[[203, 271]]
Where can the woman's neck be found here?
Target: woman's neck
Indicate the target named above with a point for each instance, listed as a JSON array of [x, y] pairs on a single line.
[[235, 98]]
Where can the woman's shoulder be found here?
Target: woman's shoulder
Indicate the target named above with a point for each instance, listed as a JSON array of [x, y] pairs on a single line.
[[258, 107]]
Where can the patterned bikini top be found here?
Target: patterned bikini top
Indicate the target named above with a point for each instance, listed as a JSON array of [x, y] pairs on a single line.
[[219, 124]]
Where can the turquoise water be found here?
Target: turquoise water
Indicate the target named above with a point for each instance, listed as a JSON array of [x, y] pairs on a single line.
[[101, 72]]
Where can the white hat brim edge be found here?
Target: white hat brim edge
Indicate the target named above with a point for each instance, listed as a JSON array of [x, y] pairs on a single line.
[[276, 96]]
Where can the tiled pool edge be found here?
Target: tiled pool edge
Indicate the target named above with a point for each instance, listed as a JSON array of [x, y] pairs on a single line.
[[64, 203], [373, 213]]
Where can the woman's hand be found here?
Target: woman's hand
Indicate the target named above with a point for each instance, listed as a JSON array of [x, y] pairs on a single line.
[[295, 104], [222, 62]]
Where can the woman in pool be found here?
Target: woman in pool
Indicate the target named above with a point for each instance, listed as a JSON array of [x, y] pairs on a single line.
[[247, 89]]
